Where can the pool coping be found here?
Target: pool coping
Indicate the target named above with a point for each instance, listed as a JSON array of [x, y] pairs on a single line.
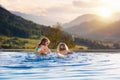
[[54, 50]]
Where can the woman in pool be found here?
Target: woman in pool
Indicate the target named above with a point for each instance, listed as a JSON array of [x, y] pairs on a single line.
[[62, 50], [42, 47]]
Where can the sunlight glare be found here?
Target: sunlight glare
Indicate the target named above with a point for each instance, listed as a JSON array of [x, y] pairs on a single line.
[[105, 13]]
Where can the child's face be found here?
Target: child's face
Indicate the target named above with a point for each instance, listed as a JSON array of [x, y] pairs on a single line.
[[46, 43], [62, 47]]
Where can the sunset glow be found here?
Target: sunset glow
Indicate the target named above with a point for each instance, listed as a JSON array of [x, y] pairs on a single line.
[[63, 10], [105, 13]]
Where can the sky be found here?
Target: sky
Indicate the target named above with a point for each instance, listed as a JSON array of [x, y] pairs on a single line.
[[62, 10]]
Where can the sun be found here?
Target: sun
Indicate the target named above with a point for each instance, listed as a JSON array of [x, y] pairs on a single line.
[[105, 13]]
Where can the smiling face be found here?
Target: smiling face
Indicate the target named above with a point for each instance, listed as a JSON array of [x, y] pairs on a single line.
[[44, 41], [62, 47], [47, 43]]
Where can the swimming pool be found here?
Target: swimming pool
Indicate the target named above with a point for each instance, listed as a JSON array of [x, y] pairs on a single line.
[[77, 66]]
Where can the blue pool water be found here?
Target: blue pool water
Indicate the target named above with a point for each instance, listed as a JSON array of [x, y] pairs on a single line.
[[77, 66]]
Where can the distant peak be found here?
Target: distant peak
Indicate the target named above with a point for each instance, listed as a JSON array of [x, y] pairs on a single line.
[[2, 8], [88, 14]]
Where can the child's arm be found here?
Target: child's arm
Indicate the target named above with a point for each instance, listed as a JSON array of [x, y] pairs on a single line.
[[70, 52], [60, 55], [47, 50]]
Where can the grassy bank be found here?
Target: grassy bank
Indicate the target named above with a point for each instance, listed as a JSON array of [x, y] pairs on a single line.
[[18, 43]]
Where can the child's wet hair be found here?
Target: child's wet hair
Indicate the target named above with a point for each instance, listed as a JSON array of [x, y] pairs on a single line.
[[43, 41], [62, 46]]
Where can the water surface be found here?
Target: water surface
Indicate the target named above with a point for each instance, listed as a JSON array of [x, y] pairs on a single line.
[[76, 66]]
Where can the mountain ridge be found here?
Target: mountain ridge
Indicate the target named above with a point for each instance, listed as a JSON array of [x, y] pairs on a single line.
[[35, 18], [96, 29], [80, 19]]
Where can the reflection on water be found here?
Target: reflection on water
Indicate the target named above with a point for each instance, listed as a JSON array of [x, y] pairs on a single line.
[[77, 66]]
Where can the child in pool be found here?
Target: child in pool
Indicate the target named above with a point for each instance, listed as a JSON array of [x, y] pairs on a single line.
[[42, 47], [62, 50]]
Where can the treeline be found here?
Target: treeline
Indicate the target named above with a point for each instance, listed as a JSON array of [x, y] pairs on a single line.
[[57, 35], [54, 34], [96, 44]]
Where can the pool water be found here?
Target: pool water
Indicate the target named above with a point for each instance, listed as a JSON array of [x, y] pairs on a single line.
[[76, 66]]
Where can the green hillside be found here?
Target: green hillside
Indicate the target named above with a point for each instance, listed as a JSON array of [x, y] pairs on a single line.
[[12, 25]]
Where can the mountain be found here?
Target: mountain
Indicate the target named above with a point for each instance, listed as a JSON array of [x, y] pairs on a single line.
[[12, 25], [16, 30], [37, 19], [79, 20], [95, 29]]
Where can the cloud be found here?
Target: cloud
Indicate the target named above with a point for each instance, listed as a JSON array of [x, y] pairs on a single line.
[[60, 10], [87, 3], [63, 12], [25, 6]]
